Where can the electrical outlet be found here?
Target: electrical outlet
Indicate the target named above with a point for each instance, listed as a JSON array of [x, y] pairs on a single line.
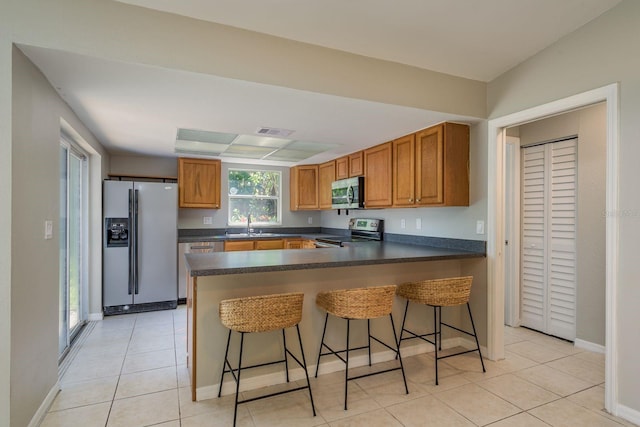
[[403, 223], [418, 223], [207, 220], [310, 220], [479, 227]]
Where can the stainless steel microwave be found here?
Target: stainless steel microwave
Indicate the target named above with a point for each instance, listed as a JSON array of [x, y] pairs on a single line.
[[348, 193]]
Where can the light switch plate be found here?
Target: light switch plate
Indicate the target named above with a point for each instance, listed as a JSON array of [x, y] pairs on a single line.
[[479, 227], [418, 223], [310, 220], [403, 223], [48, 229], [207, 220]]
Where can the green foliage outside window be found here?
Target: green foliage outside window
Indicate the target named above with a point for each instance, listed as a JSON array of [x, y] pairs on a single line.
[[255, 193]]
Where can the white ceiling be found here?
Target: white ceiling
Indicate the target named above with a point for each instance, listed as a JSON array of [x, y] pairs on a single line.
[[137, 109]]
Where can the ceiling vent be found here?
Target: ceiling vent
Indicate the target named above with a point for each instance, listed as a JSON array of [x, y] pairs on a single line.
[[274, 132]]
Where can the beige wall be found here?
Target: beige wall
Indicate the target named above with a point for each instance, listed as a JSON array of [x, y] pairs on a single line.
[[5, 212], [598, 54], [590, 125], [143, 165], [36, 114]]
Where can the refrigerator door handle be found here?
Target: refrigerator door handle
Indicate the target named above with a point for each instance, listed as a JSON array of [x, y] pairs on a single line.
[[135, 239], [131, 243]]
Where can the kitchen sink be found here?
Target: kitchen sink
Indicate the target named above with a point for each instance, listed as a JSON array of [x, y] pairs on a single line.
[[238, 235]]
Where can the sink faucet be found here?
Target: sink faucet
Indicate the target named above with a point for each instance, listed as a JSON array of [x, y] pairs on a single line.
[[249, 223]]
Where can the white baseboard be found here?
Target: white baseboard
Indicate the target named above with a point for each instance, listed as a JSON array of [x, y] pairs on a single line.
[[628, 414], [38, 417], [251, 383], [95, 316], [586, 345]]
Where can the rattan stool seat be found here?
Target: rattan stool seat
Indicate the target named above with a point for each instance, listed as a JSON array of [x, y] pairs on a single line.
[[263, 313], [358, 304], [438, 293]]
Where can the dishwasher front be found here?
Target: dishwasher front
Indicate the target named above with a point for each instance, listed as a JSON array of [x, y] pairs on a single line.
[[192, 248]]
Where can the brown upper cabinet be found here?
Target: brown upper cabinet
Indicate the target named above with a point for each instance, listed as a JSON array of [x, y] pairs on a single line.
[[431, 167], [199, 183], [404, 168], [326, 175], [342, 167], [303, 187], [377, 175], [350, 165], [356, 164]]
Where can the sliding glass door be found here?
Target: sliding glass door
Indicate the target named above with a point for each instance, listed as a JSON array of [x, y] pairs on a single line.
[[72, 243]]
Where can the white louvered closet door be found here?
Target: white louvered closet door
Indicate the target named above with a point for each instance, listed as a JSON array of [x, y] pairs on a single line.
[[548, 280]]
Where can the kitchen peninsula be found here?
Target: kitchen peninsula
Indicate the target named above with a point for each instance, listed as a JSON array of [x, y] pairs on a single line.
[[217, 276]]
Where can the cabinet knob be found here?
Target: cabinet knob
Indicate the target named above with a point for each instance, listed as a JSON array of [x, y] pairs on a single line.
[[417, 200], [410, 200]]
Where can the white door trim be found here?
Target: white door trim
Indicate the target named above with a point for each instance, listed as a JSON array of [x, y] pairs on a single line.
[[496, 212], [512, 217]]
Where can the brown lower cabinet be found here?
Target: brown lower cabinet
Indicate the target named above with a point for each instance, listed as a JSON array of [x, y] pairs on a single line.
[[239, 245], [266, 244], [269, 244]]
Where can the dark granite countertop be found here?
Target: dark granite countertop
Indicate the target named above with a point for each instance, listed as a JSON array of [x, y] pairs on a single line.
[[365, 253]]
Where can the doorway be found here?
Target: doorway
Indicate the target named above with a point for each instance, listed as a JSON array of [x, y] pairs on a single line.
[[73, 244], [496, 216]]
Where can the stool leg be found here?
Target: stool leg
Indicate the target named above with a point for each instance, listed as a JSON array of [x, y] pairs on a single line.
[[224, 364], [476, 337], [395, 338], [286, 363], [435, 325], [235, 407], [404, 319], [346, 369], [324, 330], [306, 374], [440, 327], [369, 339]]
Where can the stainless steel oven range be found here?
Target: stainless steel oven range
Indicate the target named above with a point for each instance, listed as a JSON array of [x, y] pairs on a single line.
[[360, 230]]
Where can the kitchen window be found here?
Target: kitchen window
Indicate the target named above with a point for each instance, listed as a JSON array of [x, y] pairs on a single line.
[[256, 193]]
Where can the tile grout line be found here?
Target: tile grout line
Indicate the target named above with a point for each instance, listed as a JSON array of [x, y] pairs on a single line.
[[115, 391]]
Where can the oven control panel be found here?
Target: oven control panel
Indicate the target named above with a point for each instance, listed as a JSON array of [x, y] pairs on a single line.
[[365, 224]]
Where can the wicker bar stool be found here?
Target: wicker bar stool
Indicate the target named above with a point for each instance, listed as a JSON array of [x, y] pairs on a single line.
[[438, 293], [353, 304], [262, 314]]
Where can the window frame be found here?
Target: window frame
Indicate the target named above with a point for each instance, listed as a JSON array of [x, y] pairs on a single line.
[[277, 198]]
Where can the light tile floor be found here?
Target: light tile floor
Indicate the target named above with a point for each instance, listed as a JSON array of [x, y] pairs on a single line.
[[128, 371]]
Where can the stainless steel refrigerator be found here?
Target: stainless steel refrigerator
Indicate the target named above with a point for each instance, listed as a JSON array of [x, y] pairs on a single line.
[[139, 270]]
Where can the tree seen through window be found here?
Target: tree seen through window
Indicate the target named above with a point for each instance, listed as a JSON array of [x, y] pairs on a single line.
[[255, 193]]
